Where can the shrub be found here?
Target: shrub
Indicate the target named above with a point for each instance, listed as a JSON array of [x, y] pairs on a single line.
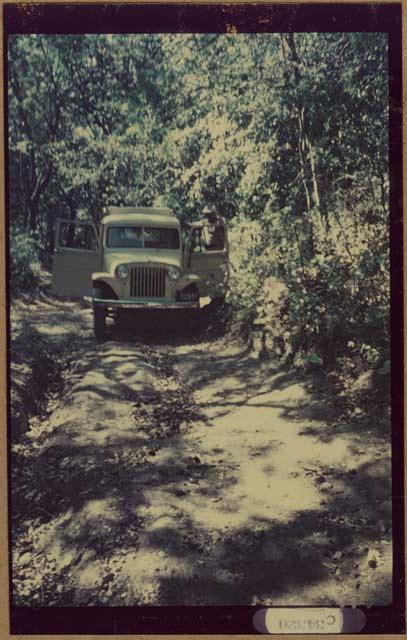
[[25, 267], [313, 303], [245, 239]]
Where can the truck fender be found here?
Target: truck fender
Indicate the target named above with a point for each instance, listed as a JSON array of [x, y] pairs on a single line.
[[101, 275], [190, 278]]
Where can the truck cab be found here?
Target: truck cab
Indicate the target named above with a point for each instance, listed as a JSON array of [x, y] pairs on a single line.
[[139, 257]]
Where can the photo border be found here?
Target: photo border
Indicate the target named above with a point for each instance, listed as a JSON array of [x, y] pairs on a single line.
[[172, 17]]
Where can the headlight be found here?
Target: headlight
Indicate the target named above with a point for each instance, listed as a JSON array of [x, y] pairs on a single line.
[[173, 274], [122, 272]]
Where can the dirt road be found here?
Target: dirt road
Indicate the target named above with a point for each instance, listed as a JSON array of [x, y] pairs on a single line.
[[172, 468]]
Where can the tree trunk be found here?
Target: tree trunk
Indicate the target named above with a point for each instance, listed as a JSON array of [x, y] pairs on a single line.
[[303, 161], [50, 240], [308, 152], [383, 194], [33, 213]]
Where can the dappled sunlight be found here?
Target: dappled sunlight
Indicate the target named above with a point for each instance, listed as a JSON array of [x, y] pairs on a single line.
[[55, 330], [92, 524], [89, 576], [234, 482], [97, 508], [289, 395], [146, 569], [274, 495], [96, 379]]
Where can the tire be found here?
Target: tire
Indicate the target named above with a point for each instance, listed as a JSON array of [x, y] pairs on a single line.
[[99, 323], [214, 308], [99, 318], [192, 318], [217, 303]]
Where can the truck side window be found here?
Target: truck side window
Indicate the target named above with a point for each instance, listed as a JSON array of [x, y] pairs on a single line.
[[77, 236]]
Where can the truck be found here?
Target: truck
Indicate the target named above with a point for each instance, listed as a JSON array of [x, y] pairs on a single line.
[[140, 258]]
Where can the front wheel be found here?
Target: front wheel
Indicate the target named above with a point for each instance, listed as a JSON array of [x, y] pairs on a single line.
[[99, 323], [216, 303], [193, 320]]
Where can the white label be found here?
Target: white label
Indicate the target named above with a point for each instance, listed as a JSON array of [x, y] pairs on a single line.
[[299, 620]]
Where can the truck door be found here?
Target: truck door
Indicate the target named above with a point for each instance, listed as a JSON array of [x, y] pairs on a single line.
[[77, 255], [208, 257]]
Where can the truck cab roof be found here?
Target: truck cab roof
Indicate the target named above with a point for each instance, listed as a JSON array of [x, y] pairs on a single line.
[[151, 216], [140, 219]]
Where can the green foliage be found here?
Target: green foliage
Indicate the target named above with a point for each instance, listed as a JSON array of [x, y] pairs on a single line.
[[284, 134], [25, 267]]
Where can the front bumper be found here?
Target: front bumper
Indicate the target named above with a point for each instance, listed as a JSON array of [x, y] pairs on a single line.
[[143, 304]]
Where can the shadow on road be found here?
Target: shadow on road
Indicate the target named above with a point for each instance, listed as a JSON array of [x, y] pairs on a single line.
[[92, 499], [119, 501], [157, 327]]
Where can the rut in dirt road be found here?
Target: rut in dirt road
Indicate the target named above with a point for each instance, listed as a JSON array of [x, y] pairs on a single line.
[[187, 473]]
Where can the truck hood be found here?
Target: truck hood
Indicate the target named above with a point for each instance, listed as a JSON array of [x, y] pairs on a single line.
[[162, 257]]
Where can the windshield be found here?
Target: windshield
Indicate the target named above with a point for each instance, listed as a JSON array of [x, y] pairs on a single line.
[[157, 238], [142, 237]]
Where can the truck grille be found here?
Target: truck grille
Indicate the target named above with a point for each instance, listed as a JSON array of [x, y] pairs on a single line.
[[147, 282]]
